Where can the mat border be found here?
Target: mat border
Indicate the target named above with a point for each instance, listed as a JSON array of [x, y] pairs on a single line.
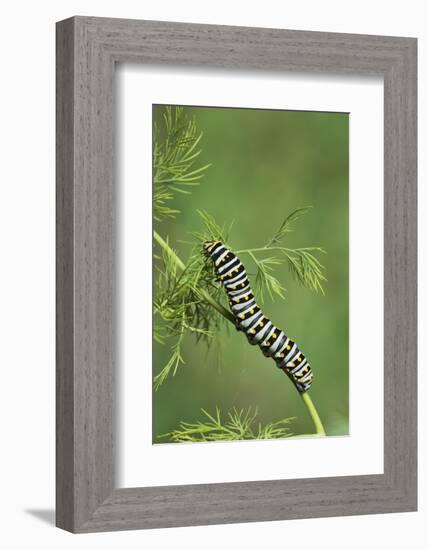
[[87, 50]]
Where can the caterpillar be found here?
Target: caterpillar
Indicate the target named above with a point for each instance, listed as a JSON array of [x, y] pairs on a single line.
[[249, 318]]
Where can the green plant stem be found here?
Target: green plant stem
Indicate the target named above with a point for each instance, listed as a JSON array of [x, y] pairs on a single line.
[[163, 244], [270, 248], [319, 428], [201, 292], [313, 413]]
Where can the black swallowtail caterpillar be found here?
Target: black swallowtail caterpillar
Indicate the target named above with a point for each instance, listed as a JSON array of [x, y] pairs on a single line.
[[250, 319]]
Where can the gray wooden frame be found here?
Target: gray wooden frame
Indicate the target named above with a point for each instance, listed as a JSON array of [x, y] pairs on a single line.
[[87, 50]]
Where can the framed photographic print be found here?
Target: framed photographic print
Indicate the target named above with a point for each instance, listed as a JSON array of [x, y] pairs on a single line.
[[236, 274]]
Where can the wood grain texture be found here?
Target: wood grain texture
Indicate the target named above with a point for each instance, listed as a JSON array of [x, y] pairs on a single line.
[[87, 49], [64, 278]]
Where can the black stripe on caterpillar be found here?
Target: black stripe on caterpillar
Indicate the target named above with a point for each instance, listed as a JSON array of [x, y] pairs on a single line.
[[249, 318]]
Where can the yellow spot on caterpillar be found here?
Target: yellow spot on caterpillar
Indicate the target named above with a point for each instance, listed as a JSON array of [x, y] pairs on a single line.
[[292, 365], [236, 270], [242, 285], [246, 297], [236, 300], [242, 316], [281, 355], [251, 311], [299, 359], [274, 335], [233, 287], [261, 324], [252, 331], [230, 274], [288, 347]]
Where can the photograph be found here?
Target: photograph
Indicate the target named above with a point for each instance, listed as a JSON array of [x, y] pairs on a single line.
[[210, 275], [250, 274]]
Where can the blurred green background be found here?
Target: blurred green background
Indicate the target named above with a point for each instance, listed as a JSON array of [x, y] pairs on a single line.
[[265, 164]]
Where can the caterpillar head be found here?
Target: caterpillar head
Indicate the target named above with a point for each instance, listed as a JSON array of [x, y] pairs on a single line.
[[208, 245]]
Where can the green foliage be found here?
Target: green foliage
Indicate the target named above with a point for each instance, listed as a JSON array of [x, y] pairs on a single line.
[[265, 280], [237, 425], [212, 231], [305, 267], [287, 226], [175, 152], [302, 262], [182, 303]]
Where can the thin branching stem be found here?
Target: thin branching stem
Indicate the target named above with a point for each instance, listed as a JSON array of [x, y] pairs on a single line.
[[200, 291], [228, 315], [319, 428], [280, 248]]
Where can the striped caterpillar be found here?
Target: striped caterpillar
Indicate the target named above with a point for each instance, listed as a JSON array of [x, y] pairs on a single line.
[[250, 319]]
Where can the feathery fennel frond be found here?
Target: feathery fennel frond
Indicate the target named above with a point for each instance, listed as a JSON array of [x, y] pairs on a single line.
[[302, 262], [212, 230], [176, 152], [265, 280], [174, 362], [186, 302], [238, 425], [305, 267], [286, 226]]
